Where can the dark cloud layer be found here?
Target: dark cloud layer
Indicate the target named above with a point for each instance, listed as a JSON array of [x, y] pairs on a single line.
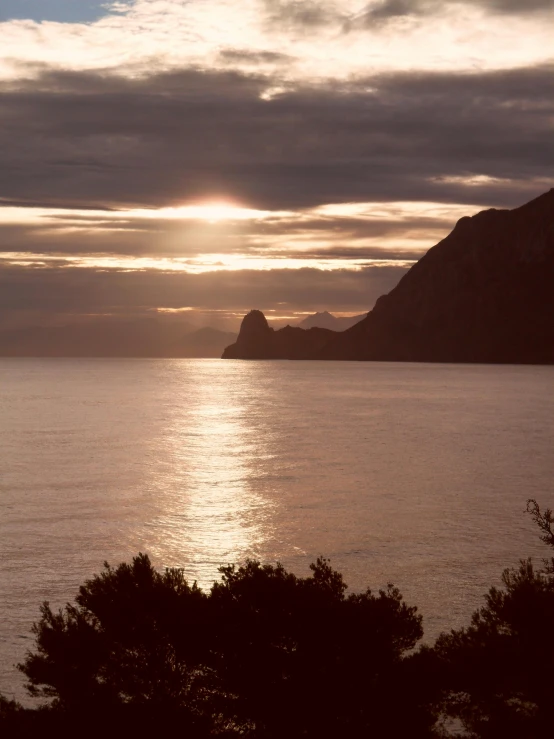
[[311, 15], [100, 141], [247, 56], [301, 13], [388, 9], [54, 291], [83, 139]]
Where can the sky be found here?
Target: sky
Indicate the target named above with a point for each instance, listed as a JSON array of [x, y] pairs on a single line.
[[194, 159]]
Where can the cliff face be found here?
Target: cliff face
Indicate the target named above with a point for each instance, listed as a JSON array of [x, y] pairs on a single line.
[[254, 339], [257, 340], [483, 294]]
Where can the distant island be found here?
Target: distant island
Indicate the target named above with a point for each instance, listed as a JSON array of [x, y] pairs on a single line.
[[139, 338], [257, 340], [483, 294], [146, 338]]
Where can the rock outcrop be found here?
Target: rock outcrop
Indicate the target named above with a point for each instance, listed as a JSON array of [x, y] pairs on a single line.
[[257, 340], [483, 294]]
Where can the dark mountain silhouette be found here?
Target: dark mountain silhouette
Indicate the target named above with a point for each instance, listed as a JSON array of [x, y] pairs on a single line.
[[483, 294], [328, 320], [257, 340]]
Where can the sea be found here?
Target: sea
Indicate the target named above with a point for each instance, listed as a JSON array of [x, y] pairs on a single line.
[[415, 474]]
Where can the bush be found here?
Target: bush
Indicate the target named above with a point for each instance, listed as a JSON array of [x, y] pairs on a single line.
[[497, 675], [264, 653]]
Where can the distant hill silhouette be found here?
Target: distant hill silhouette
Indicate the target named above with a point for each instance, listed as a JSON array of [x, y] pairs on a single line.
[[328, 320], [206, 342], [483, 294], [147, 337]]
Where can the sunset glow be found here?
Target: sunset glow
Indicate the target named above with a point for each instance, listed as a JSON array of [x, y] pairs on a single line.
[[210, 212], [323, 144], [276, 312]]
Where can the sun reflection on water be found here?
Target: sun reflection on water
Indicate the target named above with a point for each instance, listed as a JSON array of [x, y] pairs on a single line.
[[212, 513]]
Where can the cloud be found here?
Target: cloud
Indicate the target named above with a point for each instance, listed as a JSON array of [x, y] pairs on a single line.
[[332, 232], [149, 35], [305, 14], [44, 292], [388, 9], [253, 57], [86, 139], [168, 103], [385, 10]]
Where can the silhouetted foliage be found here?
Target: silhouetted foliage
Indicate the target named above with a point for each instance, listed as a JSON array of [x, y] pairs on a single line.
[[129, 642], [497, 674], [545, 522], [305, 659], [265, 653], [9, 710]]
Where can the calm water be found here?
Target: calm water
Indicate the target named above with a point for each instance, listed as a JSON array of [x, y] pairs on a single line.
[[412, 473]]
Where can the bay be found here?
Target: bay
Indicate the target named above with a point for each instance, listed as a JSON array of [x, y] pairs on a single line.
[[412, 473]]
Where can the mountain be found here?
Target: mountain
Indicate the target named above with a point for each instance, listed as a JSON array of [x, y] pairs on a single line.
[[206, 342], [483, 294], [147, 337], [328, 320], [257, 340]]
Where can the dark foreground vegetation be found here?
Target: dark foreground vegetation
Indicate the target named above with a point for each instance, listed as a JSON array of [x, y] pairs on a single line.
[[268, 655]]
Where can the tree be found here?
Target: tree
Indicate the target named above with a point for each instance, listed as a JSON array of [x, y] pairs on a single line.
[[545, 522], [266, 654], [263, 654], [125, 649], [305, 659], [497, 674]]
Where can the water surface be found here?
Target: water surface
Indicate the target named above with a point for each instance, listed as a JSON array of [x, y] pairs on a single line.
[[411, 473]]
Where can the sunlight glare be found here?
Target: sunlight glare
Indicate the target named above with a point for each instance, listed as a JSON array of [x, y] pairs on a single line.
[[216, 212]]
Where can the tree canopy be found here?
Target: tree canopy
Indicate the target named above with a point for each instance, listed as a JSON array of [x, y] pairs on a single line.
[[497, 674], [265, 654]]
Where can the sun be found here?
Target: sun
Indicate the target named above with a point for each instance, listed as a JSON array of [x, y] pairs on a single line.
[[210, 211], [215, 212]]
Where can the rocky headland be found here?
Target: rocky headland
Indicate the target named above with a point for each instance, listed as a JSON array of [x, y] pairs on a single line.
[[483, 294], [257, 340]]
